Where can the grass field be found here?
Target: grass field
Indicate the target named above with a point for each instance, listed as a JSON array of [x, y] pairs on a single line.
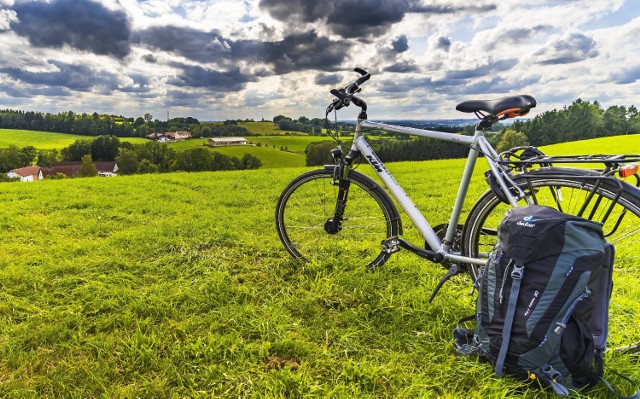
[[47, 140], [175, 285]]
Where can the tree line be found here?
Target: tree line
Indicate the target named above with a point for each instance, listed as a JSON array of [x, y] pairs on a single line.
[[579, 121], [113, 125], [151, 157]]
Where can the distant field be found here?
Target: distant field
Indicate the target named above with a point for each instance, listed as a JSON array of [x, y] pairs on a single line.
[[261, 128], [295, 144], [270, 157], [627, 144], [47, 140]]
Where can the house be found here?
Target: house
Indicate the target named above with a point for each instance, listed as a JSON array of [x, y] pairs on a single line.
[[169, 137], [106, 169], [29, 173], [224, 141], [71, 169]]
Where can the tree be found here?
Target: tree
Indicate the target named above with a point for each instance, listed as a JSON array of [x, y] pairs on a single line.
[[87, 169], [509, 139], [77, 150], [250, 162], [105, 148], [127, 162]]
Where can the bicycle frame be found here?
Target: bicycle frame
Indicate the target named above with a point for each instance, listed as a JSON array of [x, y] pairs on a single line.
[[478, 144]]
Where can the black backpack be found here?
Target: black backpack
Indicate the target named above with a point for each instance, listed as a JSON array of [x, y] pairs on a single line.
[[542, 309]]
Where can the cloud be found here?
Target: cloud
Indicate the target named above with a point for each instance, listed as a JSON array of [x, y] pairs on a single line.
[[401, 44], [626, 76], [324, 79], [193, 44], [491, 69], [573, 47], [81, 24], [297, 52], [201, 77], [304, 10], [70, 76], [358, 18], [443, 43]]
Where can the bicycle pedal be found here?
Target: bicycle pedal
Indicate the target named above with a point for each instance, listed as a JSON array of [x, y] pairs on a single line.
[[391, 245]]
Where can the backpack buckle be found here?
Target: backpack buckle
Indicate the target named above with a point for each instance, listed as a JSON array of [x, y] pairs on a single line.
[[517, 272]]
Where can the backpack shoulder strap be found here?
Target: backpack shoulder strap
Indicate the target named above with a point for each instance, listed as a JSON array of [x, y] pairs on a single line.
[[516, 275]]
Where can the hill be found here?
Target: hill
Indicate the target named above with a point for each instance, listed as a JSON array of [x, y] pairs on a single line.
[[176, 285], [47, 140]]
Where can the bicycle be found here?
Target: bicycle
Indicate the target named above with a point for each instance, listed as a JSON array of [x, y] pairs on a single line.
[[337, 211]]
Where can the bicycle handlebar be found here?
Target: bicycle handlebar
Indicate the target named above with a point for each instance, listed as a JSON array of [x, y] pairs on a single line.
[[345, 96]]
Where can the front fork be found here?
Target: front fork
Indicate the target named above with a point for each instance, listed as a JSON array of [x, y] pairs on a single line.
[[340, 177]]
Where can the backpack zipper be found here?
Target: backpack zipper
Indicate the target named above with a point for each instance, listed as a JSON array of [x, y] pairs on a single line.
[[504, 279], [563, 323]]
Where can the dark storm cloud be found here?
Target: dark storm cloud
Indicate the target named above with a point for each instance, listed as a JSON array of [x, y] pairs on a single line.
[[220, 81], [81, 24], [305, 10], [74, 77], [306, 51], [572, 48], [401, 44], [357, 18], [328, 79], [190, 43]]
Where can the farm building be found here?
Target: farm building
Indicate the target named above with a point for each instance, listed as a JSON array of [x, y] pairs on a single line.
[[169, 136], [29, 173], [222, 141], [71, 169]]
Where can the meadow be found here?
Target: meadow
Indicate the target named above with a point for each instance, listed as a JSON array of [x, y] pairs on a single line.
[[47, 140], [176, 285]]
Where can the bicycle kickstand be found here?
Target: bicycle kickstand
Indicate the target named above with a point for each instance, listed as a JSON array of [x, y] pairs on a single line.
[[453, 270]]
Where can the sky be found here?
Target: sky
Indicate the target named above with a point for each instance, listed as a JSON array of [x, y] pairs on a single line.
[[254, 59]]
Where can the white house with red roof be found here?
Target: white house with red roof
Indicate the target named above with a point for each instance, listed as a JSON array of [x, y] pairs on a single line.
[[29, 173]]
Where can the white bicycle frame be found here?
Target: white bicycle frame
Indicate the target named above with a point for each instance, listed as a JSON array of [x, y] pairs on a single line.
[[478, 144]]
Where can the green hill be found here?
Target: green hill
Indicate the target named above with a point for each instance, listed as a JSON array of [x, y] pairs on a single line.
[[176, 285], [47, 140]]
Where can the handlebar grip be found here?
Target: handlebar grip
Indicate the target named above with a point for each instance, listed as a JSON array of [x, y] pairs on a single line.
[[365, 76]]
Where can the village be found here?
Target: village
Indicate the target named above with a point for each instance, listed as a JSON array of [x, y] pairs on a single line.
[[108, 168]]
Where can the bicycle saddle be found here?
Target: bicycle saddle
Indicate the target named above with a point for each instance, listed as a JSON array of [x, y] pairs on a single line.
[[507, 107]]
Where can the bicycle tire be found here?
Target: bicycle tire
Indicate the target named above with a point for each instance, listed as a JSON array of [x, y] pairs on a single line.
[[310, 199], [480, 234]]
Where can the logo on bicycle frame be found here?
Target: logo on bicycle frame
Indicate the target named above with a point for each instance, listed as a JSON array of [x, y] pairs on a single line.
[[375, 163]]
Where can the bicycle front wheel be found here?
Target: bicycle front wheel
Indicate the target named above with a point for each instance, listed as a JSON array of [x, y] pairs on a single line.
[[618, 211], [308, 202]]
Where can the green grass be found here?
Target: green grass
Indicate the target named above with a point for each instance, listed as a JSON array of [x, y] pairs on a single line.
[[47, 140], [297, 144], [262, 128], [605, 145], [176, 285]]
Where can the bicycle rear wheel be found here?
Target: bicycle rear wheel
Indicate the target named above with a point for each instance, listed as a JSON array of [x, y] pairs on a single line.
[[564, 189], [309, 201]]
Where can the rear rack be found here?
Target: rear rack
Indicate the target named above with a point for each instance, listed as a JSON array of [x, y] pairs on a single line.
[[525, 156]]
